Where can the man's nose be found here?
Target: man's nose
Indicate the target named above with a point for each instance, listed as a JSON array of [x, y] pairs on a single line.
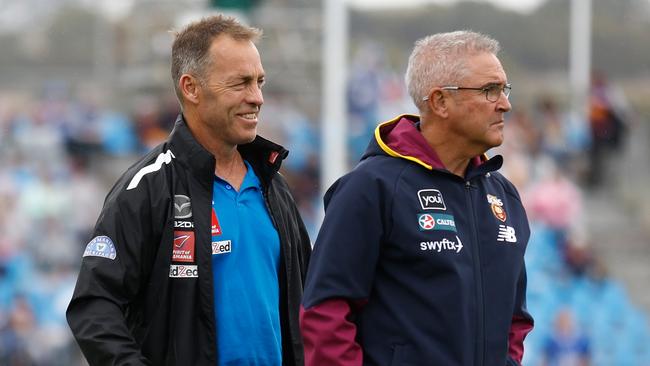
[[255, 96], [503, 103]]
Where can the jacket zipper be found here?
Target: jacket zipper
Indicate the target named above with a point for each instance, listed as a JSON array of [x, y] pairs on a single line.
[[479, 348]]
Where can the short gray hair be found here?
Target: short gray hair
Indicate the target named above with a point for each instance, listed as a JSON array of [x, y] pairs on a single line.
[[191, 45], [439, 59]]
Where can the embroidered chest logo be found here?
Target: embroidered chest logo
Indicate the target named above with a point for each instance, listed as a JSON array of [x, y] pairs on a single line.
[[507, 234], [183, 250], [440, 245], [431, 199], [436, 222], [221, 247], [182, 207], [497, 207], [216, 228], [426, 222], [183, 271]]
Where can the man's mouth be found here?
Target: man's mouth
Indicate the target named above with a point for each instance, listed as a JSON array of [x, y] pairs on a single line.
[[249, 116]]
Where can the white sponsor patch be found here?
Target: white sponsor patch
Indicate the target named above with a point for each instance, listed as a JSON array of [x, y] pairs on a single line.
[[431, 199], [507, 234], [221, 247], [494, 200], [444, 244], [183, 271], [101, 246]]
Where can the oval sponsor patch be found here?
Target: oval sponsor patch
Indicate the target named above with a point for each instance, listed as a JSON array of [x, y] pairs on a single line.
[[101, 246]]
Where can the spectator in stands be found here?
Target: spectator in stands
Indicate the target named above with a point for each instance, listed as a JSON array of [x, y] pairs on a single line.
[[199, 254], [396, 278], [566, 346], [554, 199], [608, 120]]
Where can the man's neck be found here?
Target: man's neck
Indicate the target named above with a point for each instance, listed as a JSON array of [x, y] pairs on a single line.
[[229, 164], [230, 167], [452, 151]]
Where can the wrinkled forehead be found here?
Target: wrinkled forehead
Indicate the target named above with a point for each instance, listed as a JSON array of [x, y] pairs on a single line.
[[484, 68], [235, 56]]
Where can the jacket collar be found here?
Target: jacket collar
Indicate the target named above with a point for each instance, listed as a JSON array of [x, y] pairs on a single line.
[[264, 156], [401, 138]]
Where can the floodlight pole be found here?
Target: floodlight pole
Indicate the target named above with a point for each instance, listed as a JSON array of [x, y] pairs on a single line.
[[333, 107], [580, 59]]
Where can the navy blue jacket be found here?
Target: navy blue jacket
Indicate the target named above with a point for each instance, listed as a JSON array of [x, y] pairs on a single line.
[[414, 265]]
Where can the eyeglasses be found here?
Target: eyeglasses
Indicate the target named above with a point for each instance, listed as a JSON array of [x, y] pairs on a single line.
[[492, 91]]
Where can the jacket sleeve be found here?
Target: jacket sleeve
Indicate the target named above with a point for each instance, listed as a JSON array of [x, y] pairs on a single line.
[[522, 323], [342, 269], [106, 287]]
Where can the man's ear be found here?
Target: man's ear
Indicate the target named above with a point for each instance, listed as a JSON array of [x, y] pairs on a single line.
[[438, 103], [189, 87]]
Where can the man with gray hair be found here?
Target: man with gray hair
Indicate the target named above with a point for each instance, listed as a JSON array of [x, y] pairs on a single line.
[[199, 254], [420, 258]]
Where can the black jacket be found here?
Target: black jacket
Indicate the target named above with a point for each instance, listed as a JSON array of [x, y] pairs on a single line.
[[132, 310]]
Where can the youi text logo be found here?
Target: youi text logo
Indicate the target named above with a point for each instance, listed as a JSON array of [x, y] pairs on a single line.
[[431, 199]]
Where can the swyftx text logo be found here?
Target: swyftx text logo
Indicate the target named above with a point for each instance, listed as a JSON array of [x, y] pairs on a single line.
[[440, 245]]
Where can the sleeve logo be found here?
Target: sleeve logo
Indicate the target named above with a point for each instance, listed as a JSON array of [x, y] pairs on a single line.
[[101, 246]]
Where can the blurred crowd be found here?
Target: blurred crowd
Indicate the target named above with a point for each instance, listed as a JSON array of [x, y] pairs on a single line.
[[58, 155]]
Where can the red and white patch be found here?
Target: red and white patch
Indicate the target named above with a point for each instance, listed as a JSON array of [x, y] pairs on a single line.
[[216, 228], [183, 250], [426, 222], [273, 157]]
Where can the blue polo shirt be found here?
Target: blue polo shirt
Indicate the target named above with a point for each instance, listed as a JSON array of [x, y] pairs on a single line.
[[245, 263]]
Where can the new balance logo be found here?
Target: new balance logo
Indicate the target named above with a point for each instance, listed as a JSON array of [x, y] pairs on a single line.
[[507, 233]]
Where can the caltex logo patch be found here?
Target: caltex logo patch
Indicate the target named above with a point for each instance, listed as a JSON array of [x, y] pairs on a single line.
[[426, 222], [436, 222]]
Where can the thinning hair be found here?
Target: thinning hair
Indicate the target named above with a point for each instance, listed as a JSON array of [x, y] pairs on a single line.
[[440, 59], [191, 45]]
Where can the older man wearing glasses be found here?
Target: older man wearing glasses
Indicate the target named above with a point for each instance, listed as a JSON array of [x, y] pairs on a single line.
[[420, 258]]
